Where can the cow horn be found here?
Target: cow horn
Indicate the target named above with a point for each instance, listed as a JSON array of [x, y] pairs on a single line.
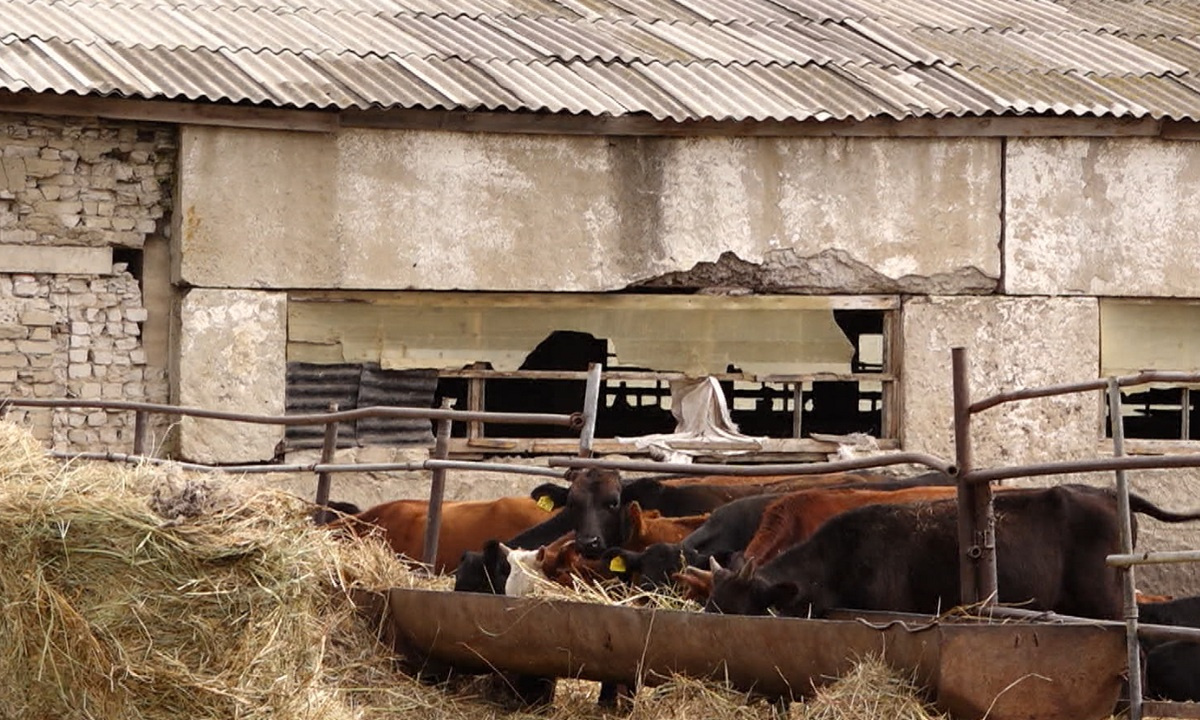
[[746, 571], [505, 549], [713, 565]]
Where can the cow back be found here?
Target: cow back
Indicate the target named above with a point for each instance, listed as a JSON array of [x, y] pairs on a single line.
[[465, 525], [1051, 550]]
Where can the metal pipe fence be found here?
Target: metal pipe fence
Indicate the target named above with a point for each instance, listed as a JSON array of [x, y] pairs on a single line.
[[977, 521]]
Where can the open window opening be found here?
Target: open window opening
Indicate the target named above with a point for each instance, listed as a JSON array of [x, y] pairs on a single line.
[[789, 367], [1140, 335], [133, 259]]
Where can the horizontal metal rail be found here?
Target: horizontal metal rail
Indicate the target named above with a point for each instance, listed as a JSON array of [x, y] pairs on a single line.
[[260, 469], [574, 420], [1164, 557], [1142, 378], [929, 461], [1151, 632], [1129, 462]]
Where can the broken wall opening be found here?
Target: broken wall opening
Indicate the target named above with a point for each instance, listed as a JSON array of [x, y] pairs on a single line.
[[1140, 335], [788, 366]]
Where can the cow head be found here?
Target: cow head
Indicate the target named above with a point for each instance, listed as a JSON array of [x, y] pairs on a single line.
[[483, 572], [745, 592], [697, 584], [594, 508], [654, 567]]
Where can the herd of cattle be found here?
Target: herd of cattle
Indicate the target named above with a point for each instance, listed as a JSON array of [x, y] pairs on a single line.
[[796, 545]]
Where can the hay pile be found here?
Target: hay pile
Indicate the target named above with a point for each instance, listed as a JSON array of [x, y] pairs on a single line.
[[147, 593]]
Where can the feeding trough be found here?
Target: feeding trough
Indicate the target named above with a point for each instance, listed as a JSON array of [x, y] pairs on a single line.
[[1004, 671]]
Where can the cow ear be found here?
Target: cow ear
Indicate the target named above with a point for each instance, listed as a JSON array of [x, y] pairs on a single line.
[[636, 522], [541, 554], [549, 496]]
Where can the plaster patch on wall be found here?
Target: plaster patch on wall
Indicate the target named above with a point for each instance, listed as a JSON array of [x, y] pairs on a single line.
[[830, 270]]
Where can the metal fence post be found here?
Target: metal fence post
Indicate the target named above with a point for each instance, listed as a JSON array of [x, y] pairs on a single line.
[[139, 432], [1127, 578], [324, 478], [437, 489], [976, 515], [968, 587]]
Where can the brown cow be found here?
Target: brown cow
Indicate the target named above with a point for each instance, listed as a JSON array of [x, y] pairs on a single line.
[[648, 527], [465, 525]]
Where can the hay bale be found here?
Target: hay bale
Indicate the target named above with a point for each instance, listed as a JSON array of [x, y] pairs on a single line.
[[111, 610]]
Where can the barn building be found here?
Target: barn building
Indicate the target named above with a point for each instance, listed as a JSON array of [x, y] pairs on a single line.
[[269, 205]]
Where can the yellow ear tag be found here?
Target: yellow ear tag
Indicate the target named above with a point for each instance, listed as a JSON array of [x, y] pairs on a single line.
[[546, 503], [617, 564]]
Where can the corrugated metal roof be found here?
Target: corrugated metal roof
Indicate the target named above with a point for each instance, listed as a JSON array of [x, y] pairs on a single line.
[[668, 59]]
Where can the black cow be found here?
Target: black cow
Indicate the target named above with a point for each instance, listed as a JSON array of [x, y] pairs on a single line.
[[332, 510], [1173, 671], [1181, 612], [482, 572], [1051, 549], [1172, 667]]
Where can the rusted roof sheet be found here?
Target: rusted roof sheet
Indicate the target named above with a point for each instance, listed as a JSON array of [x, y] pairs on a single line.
[[669, 59]]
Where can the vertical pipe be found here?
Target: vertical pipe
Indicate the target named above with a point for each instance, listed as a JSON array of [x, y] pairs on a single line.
[[324, 478], [1127, 578], [139, 432], [968, 588], [437, 489], [798, 410], [591, 408], [1185, 425]]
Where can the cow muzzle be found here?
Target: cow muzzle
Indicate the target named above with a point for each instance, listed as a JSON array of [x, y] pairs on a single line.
[[591, 546]]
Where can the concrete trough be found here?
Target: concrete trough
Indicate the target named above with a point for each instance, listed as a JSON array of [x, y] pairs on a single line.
[[1002, 671]]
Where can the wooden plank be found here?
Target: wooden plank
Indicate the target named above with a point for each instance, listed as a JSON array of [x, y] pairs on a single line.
[[617, 375], [272, 118], [1163, 709], [893, 394], [170, 111], [1137, 446], [1180, 130], [643, 125], [592, 301], [771, 447]]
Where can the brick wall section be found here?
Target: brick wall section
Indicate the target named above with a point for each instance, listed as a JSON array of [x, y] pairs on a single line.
[[72, 183]]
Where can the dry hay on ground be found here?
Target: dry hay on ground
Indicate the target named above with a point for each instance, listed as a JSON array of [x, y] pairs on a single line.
[[149, 593]]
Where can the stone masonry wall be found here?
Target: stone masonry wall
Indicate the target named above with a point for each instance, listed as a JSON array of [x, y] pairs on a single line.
[[71, 190], [83, 183]]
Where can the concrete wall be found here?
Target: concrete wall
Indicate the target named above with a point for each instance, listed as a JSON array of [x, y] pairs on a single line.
[[1012, 343], [429, 210], [231, 358], [1097, 216]]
